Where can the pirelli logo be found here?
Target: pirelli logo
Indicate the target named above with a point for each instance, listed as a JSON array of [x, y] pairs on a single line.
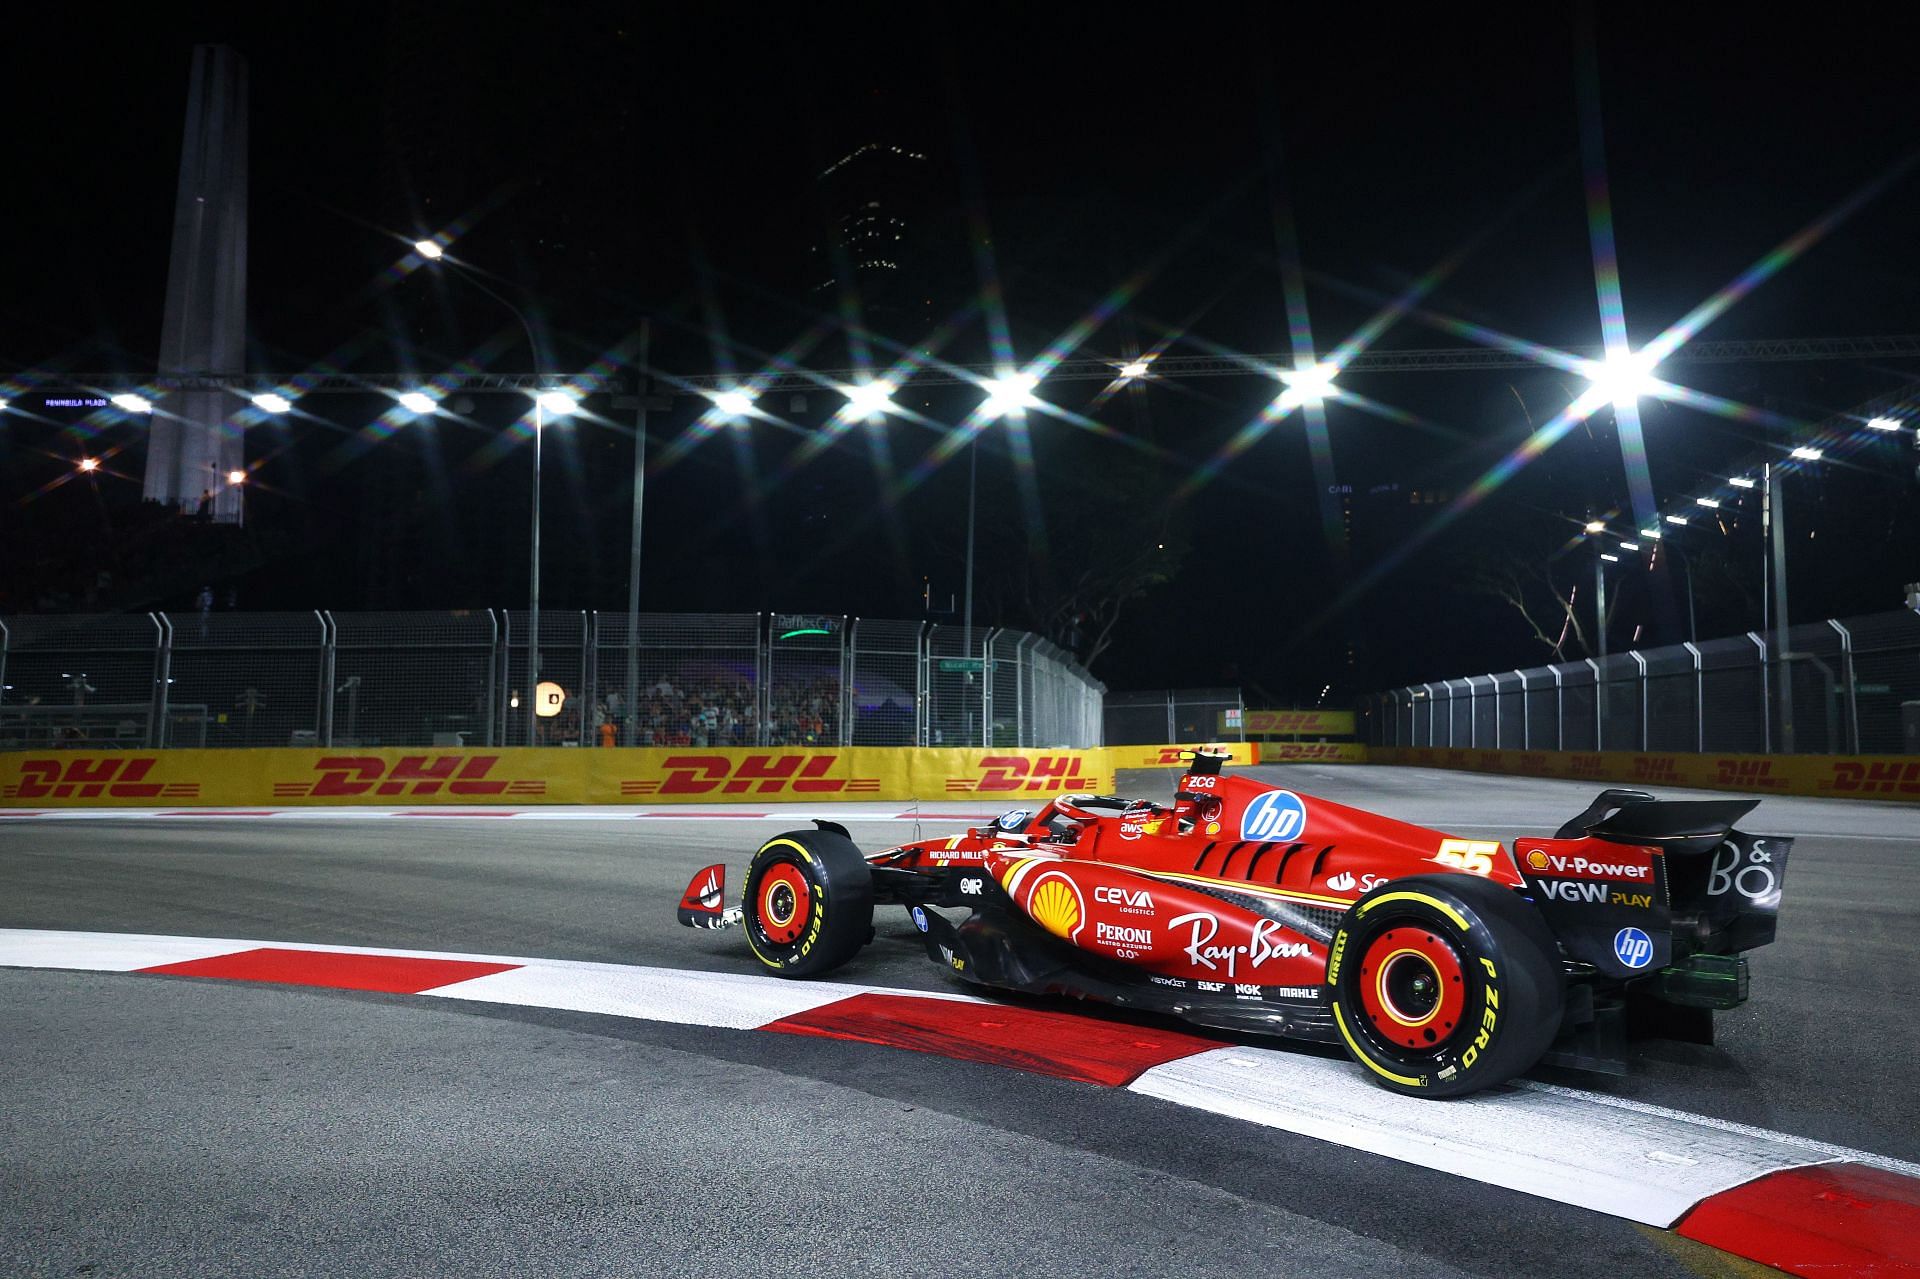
[[84, 777], [798, 774], [1007, 774], [411, 775]]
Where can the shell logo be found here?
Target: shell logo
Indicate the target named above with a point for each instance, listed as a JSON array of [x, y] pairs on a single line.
[[1055, 905], [1537, 859]]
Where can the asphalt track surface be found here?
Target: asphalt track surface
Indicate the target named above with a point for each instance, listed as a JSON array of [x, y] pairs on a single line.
[[159, 1126]]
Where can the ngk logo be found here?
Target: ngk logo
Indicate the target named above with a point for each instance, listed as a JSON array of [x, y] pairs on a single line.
[[410, 775], [1018, 773], [1874, 779], [802, 774], [85, 777], [1748, 774]]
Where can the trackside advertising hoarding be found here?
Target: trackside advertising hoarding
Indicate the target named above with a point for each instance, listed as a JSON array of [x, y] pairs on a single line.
[[520, 776], [1847, 776]]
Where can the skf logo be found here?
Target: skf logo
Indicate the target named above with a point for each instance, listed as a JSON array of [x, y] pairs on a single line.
[[1874, 779], [802, 774], [411, 775], [1748, 774], [1059, 773], [87, 778]]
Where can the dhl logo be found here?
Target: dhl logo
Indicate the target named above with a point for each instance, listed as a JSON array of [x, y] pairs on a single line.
[[1588, 765], [410, 775], [1003, 773], [1874, 779], [1258, 722], [88, 778], [803, 774], [1307, 750], [1656, 768], [1748, 774]]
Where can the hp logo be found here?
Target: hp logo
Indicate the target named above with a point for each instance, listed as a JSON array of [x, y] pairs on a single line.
[[1278, 814], [1633, 948]]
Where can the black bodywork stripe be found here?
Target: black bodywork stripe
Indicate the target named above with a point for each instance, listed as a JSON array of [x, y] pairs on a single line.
[[1284, 859], [1318, 859], [1201, 860]]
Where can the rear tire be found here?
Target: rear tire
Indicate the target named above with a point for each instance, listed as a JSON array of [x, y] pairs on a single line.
[[809, 903], [1444, 984]]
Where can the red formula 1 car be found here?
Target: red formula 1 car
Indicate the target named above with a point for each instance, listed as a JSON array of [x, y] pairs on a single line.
[[1443, 965]]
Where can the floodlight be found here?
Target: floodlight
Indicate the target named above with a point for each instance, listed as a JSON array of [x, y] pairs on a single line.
[[558, 403], [1307, 386], [1651, 534], [1882, 424], [1711, 503], [3, 406], [89, 464], [236, 477], [1622, 378], [1009, 394], [133, 403], [1133, 369], [1741, 482], [1806, 454], [867, 401], [429, 249], [1596, 526], [1629, 546], [418, 402], [1677, 519], [735, 403], [272, 402], [1611, 559]]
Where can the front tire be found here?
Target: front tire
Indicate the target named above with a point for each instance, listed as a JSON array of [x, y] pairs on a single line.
[[1444, 984], [809, 903]]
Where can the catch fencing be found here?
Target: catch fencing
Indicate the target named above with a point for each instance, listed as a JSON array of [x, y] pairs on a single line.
[[216, 679], [1848, 687], [1174, 715]]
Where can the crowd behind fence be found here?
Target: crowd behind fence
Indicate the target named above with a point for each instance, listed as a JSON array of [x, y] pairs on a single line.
[[1835, 687], [221, 679]]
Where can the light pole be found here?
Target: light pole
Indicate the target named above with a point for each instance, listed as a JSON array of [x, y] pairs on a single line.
[[1597, 529], [544, 401]]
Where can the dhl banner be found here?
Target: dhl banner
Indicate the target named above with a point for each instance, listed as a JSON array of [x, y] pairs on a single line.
[[1313, 753], [1856, 776], [1285, 723], [517, 775], [1177, 756]]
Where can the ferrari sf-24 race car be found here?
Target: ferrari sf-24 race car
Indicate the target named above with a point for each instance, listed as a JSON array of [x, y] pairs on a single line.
[[1443, 965]]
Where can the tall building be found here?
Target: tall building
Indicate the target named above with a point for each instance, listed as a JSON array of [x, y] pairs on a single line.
[[874, 202], [196, 442]]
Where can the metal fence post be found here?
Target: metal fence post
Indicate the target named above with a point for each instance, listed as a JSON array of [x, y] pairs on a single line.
[[763, 673], [162, 677], [922, 648], [493, 673], [1526, 712], [1641, 662], [1766, 706], [1599, 708], [329, 651], [1559, 709], [1853, 701], [1699, 699], [847, 627]]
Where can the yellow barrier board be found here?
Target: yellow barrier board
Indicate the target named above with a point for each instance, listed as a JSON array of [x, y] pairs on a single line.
[[1177, 756], [1856, 776], [277, 778], [1291, 723], [1313, 753]]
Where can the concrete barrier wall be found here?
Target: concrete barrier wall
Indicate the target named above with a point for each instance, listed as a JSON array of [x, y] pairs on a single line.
[[1852, 776], [270, 778]]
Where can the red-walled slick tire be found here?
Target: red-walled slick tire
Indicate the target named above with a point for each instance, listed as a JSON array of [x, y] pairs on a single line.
[[809, 903], [1444, 984]]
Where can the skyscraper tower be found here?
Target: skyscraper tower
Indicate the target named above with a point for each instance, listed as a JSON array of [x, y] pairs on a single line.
[[873, 198], [195, 441]]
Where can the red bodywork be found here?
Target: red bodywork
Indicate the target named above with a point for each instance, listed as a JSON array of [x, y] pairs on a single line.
[[1153, 884]]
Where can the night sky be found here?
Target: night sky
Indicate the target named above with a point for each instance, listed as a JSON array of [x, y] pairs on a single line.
[[1158, 180]]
